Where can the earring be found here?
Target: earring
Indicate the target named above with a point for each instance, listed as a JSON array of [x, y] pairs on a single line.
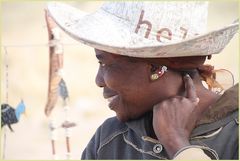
[[158, 73], [154, 76]]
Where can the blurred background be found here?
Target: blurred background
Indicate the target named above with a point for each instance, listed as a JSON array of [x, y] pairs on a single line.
[[24, 51]]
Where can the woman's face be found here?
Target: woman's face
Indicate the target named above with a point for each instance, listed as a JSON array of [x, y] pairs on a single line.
[[126, 85]]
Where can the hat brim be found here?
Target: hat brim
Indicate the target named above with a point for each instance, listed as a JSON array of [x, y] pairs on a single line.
[[104, 31]]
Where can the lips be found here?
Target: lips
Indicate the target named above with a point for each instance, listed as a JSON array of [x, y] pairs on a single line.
[[111, 96], [107, 92], [110, 99]]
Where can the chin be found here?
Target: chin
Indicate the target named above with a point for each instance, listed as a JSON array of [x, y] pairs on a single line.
[[125, 118], [122, 118]]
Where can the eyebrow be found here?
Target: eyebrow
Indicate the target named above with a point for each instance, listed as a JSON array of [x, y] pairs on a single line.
[[100, 56]]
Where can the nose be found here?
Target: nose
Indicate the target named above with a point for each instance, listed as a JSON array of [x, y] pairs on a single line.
[[99, 80]]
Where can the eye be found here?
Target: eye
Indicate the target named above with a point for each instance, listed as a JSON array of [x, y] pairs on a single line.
[[101, 64]]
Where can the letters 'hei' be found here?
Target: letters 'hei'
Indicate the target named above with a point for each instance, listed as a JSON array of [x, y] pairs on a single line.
[[162, 33]]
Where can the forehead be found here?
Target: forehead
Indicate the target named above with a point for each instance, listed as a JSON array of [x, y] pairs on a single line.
[[100, 54], [104, 55]]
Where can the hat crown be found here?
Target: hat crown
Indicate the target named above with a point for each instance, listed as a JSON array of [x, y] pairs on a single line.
[[145, 29], [168, 21]]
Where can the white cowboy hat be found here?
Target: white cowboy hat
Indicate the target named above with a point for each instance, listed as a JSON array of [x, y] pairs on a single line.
[[145, 29]]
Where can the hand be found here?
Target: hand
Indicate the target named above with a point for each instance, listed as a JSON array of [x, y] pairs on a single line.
[[175, 118]]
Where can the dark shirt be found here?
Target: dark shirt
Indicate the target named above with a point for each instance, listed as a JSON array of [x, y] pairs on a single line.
[[216, 133]]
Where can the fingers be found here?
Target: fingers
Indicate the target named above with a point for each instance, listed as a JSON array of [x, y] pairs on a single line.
[[190, 89]]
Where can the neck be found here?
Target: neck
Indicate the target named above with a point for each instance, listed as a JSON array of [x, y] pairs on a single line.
[[207, 98]]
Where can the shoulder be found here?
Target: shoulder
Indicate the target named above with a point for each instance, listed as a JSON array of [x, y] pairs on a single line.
[[111, 129], [112, 121], [106, 132]]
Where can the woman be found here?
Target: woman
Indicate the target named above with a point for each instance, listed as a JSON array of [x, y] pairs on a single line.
[[151, 67]]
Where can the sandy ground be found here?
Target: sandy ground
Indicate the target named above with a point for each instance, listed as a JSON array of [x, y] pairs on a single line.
[[24, 35]]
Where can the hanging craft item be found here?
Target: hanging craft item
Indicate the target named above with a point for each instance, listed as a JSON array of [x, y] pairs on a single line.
[[57, 86], [10, 116], [55, 65]]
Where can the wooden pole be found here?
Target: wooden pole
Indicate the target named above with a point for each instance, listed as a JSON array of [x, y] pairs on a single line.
[[55, 65]]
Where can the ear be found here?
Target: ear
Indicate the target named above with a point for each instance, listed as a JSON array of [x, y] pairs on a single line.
[[153, 67], [157, 71], [149, 70]]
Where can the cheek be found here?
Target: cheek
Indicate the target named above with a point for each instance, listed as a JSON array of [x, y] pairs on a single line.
[[117, 80], [127, 82], [113, 80], [127, 86]]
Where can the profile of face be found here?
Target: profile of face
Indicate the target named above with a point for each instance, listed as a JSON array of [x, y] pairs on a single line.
[[127, 86]]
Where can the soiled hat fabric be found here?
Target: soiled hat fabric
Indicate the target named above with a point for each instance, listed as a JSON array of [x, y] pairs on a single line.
[[145, 29]]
